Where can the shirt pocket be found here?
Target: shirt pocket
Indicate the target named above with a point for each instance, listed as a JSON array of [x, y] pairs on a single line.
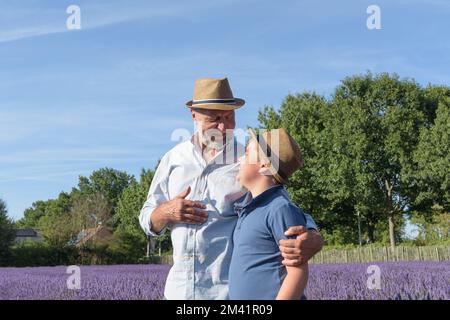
[[223, 191]]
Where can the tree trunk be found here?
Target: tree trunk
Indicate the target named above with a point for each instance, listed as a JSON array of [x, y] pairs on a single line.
[[370, 232], [359, 229], [390, 212], [391, 230]]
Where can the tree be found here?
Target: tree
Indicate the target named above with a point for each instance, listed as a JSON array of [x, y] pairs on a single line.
[[393, 109], [44, 212], [432, 95], [32, 215], [432, 228], [128, 209], [432, 155], [90, 211], [61, 218], [328, 186], [359, 151], [87, 211], [108, 181], [130, 204], [47, 217], [7, 233], [305, 116]]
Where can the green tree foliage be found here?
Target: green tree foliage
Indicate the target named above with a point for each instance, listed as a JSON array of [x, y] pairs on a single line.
[[386, 114], [432, 175], [129, 206], [359, 149], [128, 209], [48, 217], [7, 233], [109, 182], [432, 228], [33, 214], [87, 211], [58, 219], [90, 211]]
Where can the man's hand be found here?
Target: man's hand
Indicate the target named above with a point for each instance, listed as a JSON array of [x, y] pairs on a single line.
[[298, 251], [178, 210]]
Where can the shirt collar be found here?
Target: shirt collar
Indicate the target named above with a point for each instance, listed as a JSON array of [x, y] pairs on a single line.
[[247, 200]]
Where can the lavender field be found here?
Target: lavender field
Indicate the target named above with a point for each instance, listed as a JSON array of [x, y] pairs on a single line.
[[399, 280]]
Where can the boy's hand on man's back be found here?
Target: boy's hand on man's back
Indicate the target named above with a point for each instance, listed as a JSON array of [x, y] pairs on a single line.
[[298, 251]]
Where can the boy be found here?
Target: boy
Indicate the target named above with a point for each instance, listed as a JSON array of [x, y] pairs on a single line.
[[264, 212]]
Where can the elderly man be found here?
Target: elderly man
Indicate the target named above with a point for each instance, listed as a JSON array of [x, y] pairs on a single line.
[[193, 191]]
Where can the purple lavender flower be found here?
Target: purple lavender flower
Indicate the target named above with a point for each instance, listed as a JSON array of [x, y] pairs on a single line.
[[399, 280]]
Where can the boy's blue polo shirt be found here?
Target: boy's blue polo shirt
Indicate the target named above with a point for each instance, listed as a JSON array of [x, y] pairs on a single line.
[[256, 271]]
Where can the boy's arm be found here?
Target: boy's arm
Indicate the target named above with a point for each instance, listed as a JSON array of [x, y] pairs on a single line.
[[294, 283], [281, 218], [307, 243]]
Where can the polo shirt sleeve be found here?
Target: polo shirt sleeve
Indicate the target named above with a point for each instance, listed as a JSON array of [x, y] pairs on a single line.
[[157, 194], [280, 218], [310, 223]]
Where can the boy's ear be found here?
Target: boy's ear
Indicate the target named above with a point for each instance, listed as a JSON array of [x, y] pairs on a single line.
[[264, 169]]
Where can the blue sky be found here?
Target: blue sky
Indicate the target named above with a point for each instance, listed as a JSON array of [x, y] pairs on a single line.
[[111, 93]]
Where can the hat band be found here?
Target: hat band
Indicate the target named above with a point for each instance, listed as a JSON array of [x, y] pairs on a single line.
[[215, 101], [268, 154]]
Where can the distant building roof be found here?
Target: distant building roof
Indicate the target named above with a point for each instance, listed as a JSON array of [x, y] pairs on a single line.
[[26, 233]]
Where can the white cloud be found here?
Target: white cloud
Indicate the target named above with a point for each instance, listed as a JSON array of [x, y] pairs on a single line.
[[17, 34], [93, 15]]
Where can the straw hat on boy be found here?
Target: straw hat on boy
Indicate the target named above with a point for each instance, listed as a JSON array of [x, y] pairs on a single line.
[[280, 150]]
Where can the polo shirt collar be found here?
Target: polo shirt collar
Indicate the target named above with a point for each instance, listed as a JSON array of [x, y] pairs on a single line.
[[248, 201]]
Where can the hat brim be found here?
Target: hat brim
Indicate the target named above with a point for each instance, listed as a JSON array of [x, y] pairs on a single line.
[[217, 106], [264, 156]]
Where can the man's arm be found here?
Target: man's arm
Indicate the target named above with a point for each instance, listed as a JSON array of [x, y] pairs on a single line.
[[178, 210], [158, 211], [298, 251], [294, 283]]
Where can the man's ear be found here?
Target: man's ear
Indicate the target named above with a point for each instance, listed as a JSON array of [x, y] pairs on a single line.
[[192, 113]]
